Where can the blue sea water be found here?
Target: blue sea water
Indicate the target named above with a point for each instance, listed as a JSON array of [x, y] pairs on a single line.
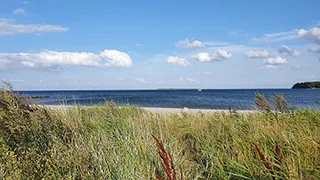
[[239, 99]]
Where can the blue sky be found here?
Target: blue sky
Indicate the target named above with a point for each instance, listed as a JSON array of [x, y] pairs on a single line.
[[57, 44]]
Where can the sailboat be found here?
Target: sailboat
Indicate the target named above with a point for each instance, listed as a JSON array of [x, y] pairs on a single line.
[[200, 88]]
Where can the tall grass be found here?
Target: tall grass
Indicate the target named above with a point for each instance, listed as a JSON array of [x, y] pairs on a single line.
[[111, 142]]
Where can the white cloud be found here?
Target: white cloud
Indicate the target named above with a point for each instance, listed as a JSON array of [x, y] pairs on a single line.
[[28, 63], [203, 57], [214, 43], [187, 44], [237, 33], [116, 58], [295, 66], [257, 54], [140, 45], [314, 50], [16, 81], [207, 57], [141, 80], [275, 61], [208, 73], [25, 2], [120, 78], [222, 54], [311, 34], [18, 11], [287, 50], [177, 61], [275, 37], [7, 20], [188, 79], [7, 27], [272, 67], [191, 80], [111, 58]]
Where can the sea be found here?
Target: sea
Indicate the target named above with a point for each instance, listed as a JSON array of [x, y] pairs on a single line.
[[237, 99]]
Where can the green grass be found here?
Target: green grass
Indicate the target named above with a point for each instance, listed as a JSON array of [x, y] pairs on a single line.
[[110, 142]]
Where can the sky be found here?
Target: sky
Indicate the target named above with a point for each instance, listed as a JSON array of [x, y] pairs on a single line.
[[213, 44]]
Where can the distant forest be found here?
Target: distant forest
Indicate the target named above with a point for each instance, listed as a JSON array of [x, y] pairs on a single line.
[[307, 85]]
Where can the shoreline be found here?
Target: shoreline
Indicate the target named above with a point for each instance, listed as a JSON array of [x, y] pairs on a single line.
[[192, 111], [157, 110]]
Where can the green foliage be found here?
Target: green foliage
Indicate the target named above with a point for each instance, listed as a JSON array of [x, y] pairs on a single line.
[[112, 142], [307, 85]]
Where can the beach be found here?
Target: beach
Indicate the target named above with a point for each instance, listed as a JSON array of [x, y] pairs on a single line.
[[164, 111]]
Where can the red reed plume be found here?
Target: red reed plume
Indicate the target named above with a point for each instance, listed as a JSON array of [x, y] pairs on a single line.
[[167, 162]]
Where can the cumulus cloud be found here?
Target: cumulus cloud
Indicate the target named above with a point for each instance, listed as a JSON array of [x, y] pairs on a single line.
[[141, 80], [286, 50], [257, 54], [177, 61], [111, 58], [314, 50], [311, 34], [18, 11], [188, 44], [203, 57], [209, 57], [275, 61], [272, 67], [8, 27], [116, 58]]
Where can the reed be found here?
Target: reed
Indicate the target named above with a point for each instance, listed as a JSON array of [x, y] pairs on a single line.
[[112, 142]]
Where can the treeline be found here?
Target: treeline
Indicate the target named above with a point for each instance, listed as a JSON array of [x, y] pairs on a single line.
[[310, 85]]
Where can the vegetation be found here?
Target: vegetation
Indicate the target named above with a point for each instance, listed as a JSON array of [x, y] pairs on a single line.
[[111, 142], [307, 85]]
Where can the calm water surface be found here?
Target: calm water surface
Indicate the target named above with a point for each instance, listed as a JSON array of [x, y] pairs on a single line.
[[240, 99]]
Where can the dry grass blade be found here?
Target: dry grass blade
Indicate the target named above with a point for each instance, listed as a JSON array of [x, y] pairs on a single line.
[[261, 103], [280, 104]]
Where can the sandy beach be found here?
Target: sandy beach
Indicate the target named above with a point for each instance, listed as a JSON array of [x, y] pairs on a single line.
[[192, 111], [168, 110]]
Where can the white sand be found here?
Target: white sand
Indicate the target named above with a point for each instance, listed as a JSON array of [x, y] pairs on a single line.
[[169, 110], [192, 111]]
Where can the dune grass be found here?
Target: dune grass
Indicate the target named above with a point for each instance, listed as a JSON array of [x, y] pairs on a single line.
[[111, 142]]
